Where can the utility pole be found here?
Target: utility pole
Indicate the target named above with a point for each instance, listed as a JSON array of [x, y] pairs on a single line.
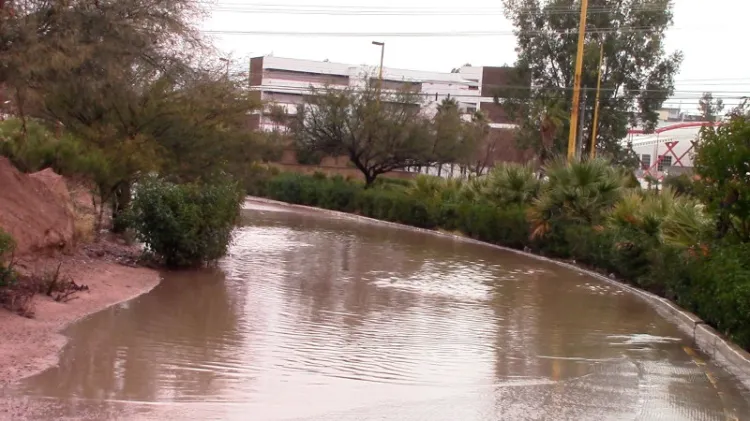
[[577, 82], [581, 120], [595, 131]]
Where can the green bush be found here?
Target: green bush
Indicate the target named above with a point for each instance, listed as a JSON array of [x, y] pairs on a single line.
[[669, 273], [584, 215], [448, 216], [185, 224], [287, 187], [387, 182], [256, 178], [682, 184], [337, 194], [719, 291], [7, 245], [40, 149], [502, 226]]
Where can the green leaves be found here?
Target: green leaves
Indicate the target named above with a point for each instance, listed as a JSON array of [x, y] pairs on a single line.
[[185, 224], [579, 192], [512, 184], [637, 75], [723, 164]]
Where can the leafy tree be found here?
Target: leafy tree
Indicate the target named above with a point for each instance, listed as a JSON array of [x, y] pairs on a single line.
[[722, 163], [93, 67], [378, 131], [637, 75], [49, 41], [458, 69], [480, 143], [448, 128], [709, 107], [456, 140], [199, 123]]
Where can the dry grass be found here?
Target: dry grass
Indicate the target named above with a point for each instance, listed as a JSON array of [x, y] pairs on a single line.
[[18, 296], [84, 226]]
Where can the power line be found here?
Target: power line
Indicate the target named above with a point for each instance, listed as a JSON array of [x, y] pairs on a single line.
[[350, 11], [425, 34], [674, 97], [420, 11]]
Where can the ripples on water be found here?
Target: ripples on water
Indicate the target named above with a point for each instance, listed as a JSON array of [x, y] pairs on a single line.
[[312, 317]]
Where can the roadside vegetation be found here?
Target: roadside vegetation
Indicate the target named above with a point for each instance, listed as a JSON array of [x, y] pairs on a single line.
[[128, 97], [689, 244]]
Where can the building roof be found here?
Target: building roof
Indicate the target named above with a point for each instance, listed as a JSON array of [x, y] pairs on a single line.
[[389, 73]]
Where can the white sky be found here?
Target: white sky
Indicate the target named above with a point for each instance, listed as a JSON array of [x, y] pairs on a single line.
[[711, 34]]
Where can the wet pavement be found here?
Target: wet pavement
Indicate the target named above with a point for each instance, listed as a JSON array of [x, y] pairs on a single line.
[[316, 318]]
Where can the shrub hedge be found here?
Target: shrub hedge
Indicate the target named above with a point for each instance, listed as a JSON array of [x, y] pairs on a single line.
[[715, 286]]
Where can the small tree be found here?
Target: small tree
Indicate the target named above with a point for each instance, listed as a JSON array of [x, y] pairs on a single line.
[[378, 131], [455, 140], [481, 146]]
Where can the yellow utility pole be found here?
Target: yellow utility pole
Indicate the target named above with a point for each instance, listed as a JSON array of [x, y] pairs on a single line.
[[577, 83], [594, 132]]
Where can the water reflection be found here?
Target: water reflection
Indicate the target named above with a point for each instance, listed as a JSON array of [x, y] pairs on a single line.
[[311, 317]]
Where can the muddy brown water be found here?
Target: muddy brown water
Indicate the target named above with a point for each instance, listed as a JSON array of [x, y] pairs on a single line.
[[312, 317]]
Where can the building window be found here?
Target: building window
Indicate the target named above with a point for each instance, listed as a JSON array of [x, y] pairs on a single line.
[[645, 161], [471, 109], [666, 162], [473, 88]]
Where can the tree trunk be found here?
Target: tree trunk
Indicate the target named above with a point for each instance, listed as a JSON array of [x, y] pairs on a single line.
[[121, 202], [369, 179], [99, 222]]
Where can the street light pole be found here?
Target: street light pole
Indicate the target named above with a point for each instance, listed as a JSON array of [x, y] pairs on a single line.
[[382, 56]]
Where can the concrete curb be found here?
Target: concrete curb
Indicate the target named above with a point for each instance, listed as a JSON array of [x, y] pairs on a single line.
[[722, 351]]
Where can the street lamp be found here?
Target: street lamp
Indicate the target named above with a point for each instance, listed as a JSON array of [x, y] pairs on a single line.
[[382, 55]]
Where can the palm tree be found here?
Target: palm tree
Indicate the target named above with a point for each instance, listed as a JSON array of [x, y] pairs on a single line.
[[580, 192], [474, 189], [666, 216], [512, 184]]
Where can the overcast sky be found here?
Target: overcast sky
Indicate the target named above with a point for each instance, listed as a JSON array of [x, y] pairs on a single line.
[[711, 34]]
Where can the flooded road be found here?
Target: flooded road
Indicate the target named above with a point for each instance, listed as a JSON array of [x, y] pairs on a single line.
[[316, 318]]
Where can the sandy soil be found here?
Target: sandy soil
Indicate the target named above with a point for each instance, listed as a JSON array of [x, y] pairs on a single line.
[[30, 345]]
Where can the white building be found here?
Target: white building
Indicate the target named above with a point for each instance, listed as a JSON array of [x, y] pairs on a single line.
[[670, 149], [284, 82]]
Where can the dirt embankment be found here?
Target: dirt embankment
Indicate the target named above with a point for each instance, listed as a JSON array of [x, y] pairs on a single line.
[[51, 228]]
